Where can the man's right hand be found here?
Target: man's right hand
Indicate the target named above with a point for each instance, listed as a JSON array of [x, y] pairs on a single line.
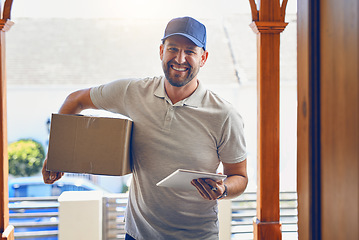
[[49, 176]]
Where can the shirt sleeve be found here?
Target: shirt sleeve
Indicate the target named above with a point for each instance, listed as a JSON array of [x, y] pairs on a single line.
[[232, 147], [111, 96]]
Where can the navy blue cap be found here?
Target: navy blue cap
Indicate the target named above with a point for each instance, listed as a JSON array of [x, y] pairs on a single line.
[[189, 28]]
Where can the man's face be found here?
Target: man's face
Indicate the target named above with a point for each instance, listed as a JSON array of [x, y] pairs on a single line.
[[181, 60]]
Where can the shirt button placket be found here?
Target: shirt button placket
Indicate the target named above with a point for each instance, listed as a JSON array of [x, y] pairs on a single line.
[[168, 118]]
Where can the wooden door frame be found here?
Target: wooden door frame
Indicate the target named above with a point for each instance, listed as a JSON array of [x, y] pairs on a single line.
[[6, 230]]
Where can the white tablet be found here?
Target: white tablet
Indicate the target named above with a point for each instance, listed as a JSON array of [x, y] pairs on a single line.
[[181, 179]]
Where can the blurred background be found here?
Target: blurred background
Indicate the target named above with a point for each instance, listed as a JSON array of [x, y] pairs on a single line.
[[56, 47]]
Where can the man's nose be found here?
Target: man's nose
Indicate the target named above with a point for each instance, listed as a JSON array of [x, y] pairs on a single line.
[[181, 57]]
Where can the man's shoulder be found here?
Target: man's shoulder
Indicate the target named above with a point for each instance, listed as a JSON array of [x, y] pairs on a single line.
[[212, 99], [133, 84], [146, 82], [137, 80]]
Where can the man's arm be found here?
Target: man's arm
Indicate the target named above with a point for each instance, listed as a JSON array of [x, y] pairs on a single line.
[[74, 103], [77, 101], [236, 182]]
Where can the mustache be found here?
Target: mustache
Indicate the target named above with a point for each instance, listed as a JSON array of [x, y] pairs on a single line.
[[173, 62]]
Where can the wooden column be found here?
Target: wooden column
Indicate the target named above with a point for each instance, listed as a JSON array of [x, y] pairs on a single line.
[[7, 231], [268, 23]]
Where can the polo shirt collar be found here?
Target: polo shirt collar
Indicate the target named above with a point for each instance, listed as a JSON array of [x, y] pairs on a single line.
[[194, 100], [160, 89]]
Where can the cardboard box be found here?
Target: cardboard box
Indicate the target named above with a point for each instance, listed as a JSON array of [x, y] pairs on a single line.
[[84, 144]]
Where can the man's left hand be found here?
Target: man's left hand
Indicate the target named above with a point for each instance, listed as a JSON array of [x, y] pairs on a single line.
[[208, 188]]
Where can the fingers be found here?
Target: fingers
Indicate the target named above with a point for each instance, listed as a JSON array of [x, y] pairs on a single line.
[[208, 188], [200, 189], [50, 177]]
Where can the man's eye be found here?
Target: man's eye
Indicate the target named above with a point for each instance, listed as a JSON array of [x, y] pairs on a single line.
[[173, 49], [190, 52]]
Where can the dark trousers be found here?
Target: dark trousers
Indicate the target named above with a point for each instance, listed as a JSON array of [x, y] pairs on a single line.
[[128, 237]]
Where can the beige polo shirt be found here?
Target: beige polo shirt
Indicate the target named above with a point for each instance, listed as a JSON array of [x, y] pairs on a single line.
[[195, 133]]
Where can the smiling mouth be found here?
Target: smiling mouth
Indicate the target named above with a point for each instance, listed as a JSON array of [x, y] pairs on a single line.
[[179, 69]]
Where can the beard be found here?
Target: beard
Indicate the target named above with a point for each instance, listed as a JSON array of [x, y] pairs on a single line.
[[177, 79]]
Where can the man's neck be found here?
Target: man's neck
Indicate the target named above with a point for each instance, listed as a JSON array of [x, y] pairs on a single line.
[[177, 94]]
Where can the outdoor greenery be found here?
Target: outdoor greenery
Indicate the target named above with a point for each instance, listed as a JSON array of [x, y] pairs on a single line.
[[26, 157]]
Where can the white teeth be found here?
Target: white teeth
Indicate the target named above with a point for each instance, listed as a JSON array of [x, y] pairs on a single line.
[[179, 69]]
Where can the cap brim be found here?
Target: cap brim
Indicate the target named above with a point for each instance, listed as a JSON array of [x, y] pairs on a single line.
[[194, 40]]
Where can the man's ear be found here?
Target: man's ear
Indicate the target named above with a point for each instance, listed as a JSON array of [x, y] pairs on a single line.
[[161, 51], [204, 58]]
